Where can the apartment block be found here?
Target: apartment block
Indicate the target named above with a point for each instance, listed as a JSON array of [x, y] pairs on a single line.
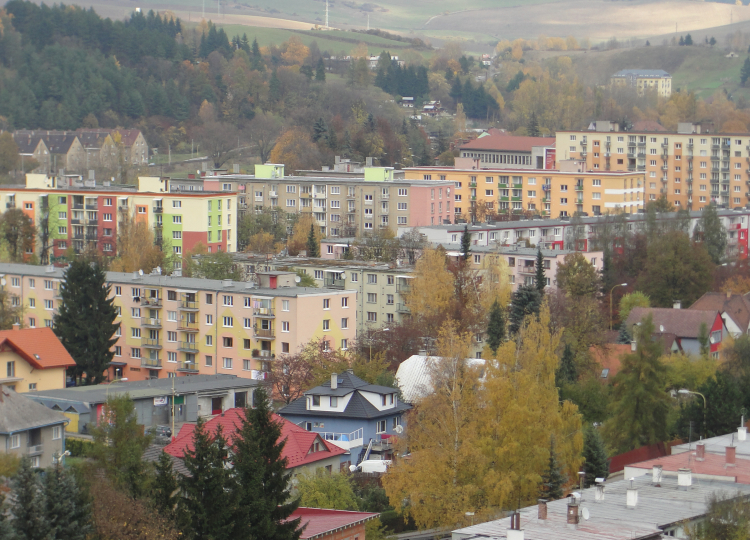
[[174, 326], [691, 169], [644, 80], [479, 192], [499, 150], [380, 287], [81, 212], [342, 207]]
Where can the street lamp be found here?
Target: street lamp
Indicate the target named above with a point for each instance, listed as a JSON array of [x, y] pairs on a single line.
[[374, 333], [685, 391], [610, 301]]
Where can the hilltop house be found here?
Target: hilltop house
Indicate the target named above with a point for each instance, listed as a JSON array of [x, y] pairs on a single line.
[[352, 413]]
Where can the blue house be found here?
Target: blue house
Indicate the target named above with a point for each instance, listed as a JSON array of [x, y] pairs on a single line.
[[353, 414]]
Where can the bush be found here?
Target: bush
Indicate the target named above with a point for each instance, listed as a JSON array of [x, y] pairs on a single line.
[[78, 447]]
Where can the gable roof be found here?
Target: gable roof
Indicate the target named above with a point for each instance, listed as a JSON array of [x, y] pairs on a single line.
[[27, 143], [736, 306], [683, 323], [40, 347], [647, 125], [299, 441], [19, 413], [609, 357], [358, 407], [512, 143], [127, 136], [347, 383], [316, 522]]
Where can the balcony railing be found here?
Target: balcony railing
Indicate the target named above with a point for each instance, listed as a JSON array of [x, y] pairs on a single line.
[[402, 308], [151, 322], [187, 346], [264, 333], [332, 283], [187, 326], [151, 301], [151, 362], [264, 312], [187, 366], [190, 305], [158, 209], [150, 343]]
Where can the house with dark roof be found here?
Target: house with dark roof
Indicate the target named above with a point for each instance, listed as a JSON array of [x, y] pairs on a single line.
[[353, 414], [680, 329], [501, 150], [734, 309], [30, 429], [33, 359], [304, 451], [65, 150]]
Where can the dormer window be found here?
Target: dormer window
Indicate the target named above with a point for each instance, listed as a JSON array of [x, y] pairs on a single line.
[[334, 401], [316, 401]]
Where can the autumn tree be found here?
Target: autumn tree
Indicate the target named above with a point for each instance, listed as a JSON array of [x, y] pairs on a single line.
[[712, 233], [261, 242], [220, 141], [577, 276], [296, 52], [431, 293], [18, 233], [301, 233], [640, 403], [291, 376], [728, 518], [321, 489], [137, 248], [264, 129], [296, 151], [632, 300]]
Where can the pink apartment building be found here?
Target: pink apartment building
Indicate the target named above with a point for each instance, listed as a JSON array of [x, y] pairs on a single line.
[[175, 326]]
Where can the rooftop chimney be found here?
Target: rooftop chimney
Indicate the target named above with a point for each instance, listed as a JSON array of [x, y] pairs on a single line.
[[334, 381], [633, 346], [542, 509], [731, 453], [573, 511], [515, 532], [677, 304], [700, 451], [742, 433], [656, 475], [684, 478], [599, 493], [631, 497]]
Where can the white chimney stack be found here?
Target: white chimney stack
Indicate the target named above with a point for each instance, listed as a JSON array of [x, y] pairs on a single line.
[[684, 478], [334, 381], [656, 475], [742, 430], [599, 493], [631, 497], [677, 304]]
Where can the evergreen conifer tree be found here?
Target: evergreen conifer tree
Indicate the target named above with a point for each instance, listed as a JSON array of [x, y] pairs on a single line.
[[262, 476], [256, 59], [164, 489], [712, 233], [595, 454], [6, 526], [624, 336], [85, 319], [496, 327], [29, 521], [553, 479], [533, 127], [525, 301], [540, 280], [566, 371], [313, 247], [320, 71], [67, 508], [208, 506], [319, 129], [745, 71], [274, 87], [465, 243], [245, 44]]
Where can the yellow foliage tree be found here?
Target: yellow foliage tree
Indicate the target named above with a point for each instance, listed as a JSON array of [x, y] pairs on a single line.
[[360, 51], [296, 51], [136, 249], [736, 285], [432, 288], [296, 151], [685, 371], [301, 230], [261, 242]]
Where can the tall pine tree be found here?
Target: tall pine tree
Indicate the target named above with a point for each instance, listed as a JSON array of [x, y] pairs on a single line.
[[27, 507], [262, 477], [553, 479], [164, 488], [313, 247], [540, 280], [496, 327], [566, 371], [595, 454], [85, 319], [466, 243], [67, 506], [525, 301], [208, 506]]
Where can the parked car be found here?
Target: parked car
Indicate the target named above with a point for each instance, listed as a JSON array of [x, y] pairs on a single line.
[[160, 431]]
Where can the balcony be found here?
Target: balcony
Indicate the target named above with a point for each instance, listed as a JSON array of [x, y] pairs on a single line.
[[77, 206], [403, 288], [665, 145], [263, 354], [266, 313], [665, 167], [472, 184], [332, 283], [189, 305], [515, 199], [187, 346], [187, 326], [191, 367], [264, 333], [10, 205], [546, 187], [123, 208], [153, 363], [149, 343], [402, 308], [528, 270], [92, 206], [273, 194], [579, 188], [518, 186], [159, 209], [715, 158], [150, 322], [154, 302], [35, 450]]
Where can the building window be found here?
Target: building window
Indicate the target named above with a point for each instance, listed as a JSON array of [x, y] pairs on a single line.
[[372, 316], [15, 441], [227, 363], [326, 324], [135, 352], [228, 342], [56, 433], [285, 305], [381, 426], [228, 322], [326, 303], [344, 323]]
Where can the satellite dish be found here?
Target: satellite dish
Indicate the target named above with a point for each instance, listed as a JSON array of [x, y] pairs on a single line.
[[3, 282], [140, 272], [297, 279], [661, 328], [353, 468], [585, 513], [399, 429]]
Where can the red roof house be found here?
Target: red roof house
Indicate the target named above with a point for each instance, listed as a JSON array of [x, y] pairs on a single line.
[[302, 449], [323, 524], [33, 359]]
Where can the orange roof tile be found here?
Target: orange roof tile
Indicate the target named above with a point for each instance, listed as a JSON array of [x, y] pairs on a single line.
[[40, 347], [711, 465], [511, 143]]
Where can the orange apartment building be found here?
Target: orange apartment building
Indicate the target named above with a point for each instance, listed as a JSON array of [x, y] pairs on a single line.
[[690, 167], [175, 326]]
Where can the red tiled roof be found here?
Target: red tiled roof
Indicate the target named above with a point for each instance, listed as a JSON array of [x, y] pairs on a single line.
[[609, 357], [648, 125], [736, 306], [511, 143], [319, 521], [38, 346], [712, 465], [299, 441]]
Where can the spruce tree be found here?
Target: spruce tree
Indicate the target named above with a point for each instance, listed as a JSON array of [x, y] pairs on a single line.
[[313, 247], [29, 521], [624, 336], [712, 233], [6, 525], [209, 496], [164, 488], [540, 280], [566, 371], [85, 319], [274, 87], [553, 479], [496, 327], [67, 506], [320, 71], [465, 243], [525, 301], [595, 454], [533, 127], [262, 477]]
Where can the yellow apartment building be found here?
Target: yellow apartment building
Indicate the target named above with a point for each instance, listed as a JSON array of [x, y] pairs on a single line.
[[644, 80], [690, 168], [546, 192]]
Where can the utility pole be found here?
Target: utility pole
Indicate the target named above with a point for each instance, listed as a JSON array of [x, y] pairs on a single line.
[[204, 10], [218, 8], [173, 409], [327, 28]]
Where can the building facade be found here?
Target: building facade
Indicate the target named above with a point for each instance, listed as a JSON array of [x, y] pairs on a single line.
[[500, 150], [78, 213], [175, 326], [691, 169], [486, 191], [33, 359], [644, 80]]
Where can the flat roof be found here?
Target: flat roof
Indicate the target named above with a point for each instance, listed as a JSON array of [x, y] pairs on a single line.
[[538, 172], [314, 179]]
